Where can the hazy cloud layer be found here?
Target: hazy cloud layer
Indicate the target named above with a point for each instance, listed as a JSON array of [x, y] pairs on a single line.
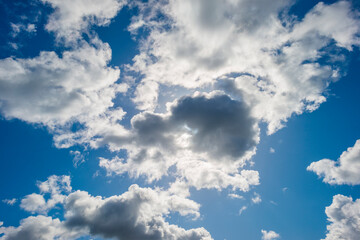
[[346, 170], [344, 217]]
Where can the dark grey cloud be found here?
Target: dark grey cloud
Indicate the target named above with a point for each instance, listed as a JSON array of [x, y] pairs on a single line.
[[222, 126]]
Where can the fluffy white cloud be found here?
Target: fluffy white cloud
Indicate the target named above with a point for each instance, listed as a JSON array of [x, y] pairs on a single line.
[[72, 18], [53, 90], [346, 170], [38, 228], [138, 213], [55, 186], [344, 217], [73, 86], [271, 58], [269, 235]]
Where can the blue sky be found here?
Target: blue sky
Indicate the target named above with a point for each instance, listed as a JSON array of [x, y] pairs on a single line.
[[176, 119]]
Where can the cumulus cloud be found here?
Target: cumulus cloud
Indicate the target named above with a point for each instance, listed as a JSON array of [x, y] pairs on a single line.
[[139, 213], [206, 136], [346, 170], [52, 90], [72, 18], [75, 86], [344, 217], [235, 196], [270, 57], [38, 227], [54, 186], [269, 235]]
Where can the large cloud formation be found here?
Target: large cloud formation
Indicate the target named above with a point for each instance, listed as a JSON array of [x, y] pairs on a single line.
[[208, 137], [267, 63], [276, 60], [72, 18], [346, 170], [138, 213], [344, 217]]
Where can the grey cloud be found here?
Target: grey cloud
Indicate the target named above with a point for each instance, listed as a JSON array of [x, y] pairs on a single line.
[[71, 18], [258, 38], [218, 125], [221, 125], [208, 137], [122, 218]]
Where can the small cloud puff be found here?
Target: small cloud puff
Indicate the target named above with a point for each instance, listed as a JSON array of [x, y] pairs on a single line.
[[269, 235]]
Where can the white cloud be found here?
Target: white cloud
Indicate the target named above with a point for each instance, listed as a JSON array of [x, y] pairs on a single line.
[[10, 201], [235, 196], [139, 213], [136, 214], [54, 90], [346, 170], [272, 59], [269, 235], [55, 186], [208, 137], [72, 18], [20, 27], [344, 217], [78, 158], [38, 228], [242, 209], [256, 199]]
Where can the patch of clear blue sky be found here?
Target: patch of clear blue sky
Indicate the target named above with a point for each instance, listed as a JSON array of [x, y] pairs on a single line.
[[27, 153]]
